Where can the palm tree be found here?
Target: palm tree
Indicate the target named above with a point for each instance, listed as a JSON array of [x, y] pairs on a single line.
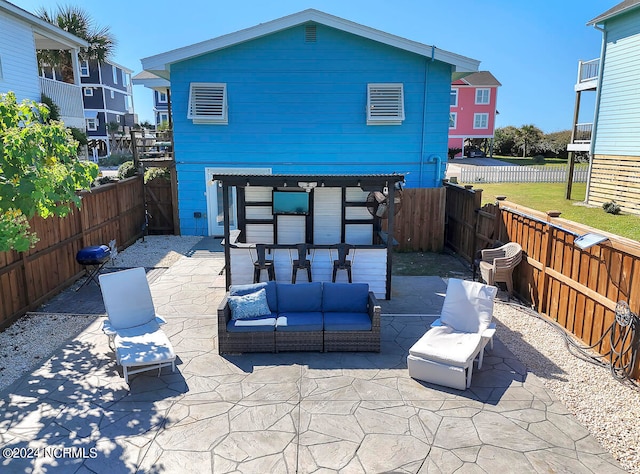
[[528, 135], [77, 22]]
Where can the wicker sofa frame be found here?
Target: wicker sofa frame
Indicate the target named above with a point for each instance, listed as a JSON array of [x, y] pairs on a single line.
[[317, 341]]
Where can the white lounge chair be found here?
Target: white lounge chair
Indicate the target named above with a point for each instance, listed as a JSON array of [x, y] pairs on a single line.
[[444, 355], [133, 326]]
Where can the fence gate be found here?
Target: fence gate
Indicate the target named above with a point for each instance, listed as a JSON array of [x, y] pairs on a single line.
[[157, 195]]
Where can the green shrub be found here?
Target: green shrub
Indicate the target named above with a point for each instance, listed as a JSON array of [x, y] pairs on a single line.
[[611, 207], [453, 152], [153, 173], [538, 160], [104, 180], [127, 170], [115, 159]]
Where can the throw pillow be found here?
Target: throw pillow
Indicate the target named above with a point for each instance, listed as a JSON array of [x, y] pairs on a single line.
[[468, 305], [252, 305]]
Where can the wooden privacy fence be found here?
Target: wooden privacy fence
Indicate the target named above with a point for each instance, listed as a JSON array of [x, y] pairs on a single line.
[[27, 279], [576, 288], [521, 174], [419, 226]]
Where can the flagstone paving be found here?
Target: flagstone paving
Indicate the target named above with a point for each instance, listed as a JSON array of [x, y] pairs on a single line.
[[282, 413]]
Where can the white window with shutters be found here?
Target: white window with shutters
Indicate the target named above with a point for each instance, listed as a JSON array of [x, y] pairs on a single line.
[[208, 103], [385, 104]]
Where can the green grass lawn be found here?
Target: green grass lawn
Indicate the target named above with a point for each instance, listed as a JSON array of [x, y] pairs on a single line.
[[530, 162], [550, 196]]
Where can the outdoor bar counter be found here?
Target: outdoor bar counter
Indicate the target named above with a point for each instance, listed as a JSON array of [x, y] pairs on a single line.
[[368, 264]]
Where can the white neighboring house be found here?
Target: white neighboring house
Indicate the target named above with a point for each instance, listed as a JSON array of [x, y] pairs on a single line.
[[22, 34]]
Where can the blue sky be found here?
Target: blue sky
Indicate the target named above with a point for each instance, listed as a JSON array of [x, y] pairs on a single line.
[[532, 47]]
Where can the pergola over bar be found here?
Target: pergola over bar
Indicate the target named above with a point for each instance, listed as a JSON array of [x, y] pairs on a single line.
[[282, 211]]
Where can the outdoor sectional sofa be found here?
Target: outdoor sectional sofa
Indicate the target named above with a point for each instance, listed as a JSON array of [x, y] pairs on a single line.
[[319, 316]]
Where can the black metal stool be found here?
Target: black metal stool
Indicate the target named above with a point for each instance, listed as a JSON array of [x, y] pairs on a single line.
[[302, 263], [93, 259], [262, 264], [342, 263]]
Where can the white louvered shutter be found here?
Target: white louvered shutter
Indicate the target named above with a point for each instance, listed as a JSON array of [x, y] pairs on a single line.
[[208, 102], [385, 104]]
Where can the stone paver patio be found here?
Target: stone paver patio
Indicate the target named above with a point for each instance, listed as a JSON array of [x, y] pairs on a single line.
[[283, 413]]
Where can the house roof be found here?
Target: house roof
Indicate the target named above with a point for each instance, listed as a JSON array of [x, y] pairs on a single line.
[[160, 64], [47, 36], [119, 66], [622, 7], [365, 181], [480, 78], [150, 80]]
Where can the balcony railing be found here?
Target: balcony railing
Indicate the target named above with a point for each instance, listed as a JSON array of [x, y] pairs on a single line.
[[588, 70], [582, 133], [68, 97]]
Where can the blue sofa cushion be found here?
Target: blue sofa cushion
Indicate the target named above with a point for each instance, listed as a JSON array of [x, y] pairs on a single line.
[[252, 305], [309, 321], [270, 288], [299, 298], [345, 297], [252, 324], [347, 322]]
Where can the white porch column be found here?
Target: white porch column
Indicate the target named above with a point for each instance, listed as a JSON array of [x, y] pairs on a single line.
[[76, 65]]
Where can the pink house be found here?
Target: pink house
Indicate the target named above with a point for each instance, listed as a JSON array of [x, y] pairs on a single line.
[[473, 110]]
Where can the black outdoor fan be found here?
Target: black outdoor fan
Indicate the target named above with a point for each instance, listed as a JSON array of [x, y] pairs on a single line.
[[378, 204]]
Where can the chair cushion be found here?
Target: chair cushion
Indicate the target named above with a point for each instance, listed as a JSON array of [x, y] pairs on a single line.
[[269, 287], [345, 297], [127, 298], [300, 297], [468, 305], [252, 305], [347, 322], [146, 344], [308, 321], [447, 346], [252, 324]]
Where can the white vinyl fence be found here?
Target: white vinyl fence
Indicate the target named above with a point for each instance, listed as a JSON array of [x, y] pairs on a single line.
[[520, 174]]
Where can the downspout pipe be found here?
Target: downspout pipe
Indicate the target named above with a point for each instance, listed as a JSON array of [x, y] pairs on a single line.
[[596, 112], [438, 161], [424, 118]]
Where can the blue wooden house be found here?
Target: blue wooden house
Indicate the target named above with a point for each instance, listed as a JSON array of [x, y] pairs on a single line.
[[331, 110], [612, 139]]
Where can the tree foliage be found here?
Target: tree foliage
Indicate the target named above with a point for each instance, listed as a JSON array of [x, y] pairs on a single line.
[[39, 170], [79, 23], [511, 141]]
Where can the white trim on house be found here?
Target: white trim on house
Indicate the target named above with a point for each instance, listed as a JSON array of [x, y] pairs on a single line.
[[160, 64], [88, 91], [481, 120], [48, 36], [84, 66], [454, 92], [453, 120], [483, 96]]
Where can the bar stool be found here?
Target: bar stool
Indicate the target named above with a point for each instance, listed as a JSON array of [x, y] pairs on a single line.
[[262, 264], [342, 263], [302, 263]]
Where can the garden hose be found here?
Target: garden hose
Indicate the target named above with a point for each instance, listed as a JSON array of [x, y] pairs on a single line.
[[624, 332]]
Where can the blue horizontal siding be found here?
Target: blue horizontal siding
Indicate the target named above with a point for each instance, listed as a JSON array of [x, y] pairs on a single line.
[[619, 109], [299, 107]]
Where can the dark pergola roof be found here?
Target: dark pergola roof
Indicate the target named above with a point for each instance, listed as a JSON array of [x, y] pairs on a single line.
[[278, 180]]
